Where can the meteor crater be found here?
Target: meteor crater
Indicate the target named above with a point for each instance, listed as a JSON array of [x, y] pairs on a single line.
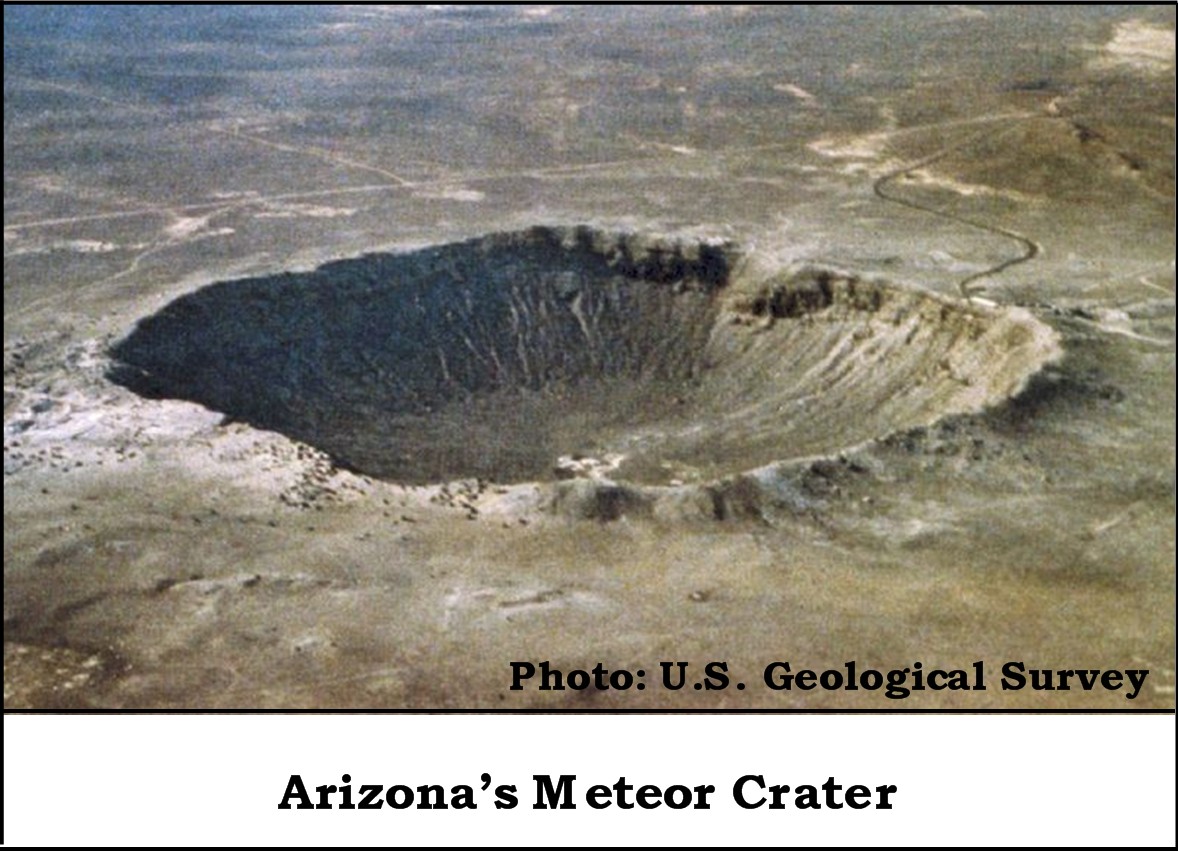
[[558, 352]]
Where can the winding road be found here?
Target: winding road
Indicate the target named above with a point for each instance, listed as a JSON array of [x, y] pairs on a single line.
[[882, 189]]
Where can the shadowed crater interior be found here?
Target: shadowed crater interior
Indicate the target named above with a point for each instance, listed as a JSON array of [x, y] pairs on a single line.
[[574, 351]]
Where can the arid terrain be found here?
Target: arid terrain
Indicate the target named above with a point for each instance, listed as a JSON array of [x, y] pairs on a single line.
[[354, 353]]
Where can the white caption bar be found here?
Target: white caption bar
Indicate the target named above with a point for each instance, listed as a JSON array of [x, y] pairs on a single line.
[[904, 780]]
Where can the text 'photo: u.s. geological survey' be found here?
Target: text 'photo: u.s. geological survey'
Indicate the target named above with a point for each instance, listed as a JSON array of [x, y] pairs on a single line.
[[759, 419]]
